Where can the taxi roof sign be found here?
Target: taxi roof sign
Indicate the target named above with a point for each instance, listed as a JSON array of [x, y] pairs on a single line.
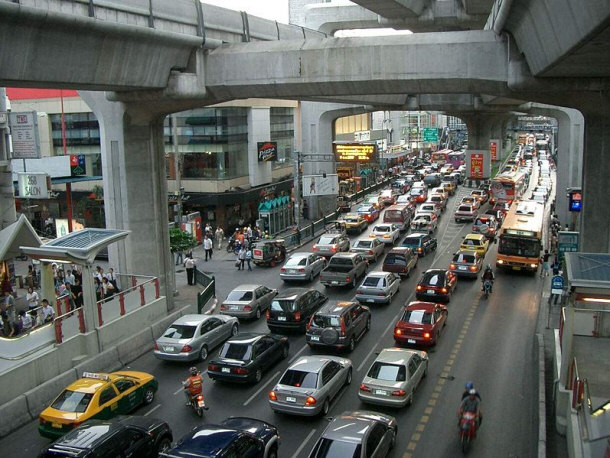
[[95, 375]]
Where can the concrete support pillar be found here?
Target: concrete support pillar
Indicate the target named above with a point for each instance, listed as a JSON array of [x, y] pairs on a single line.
[[7, 195], [570, 132], [594, 224], [259, 130], [135, 188], [47, 284], [89, 298]]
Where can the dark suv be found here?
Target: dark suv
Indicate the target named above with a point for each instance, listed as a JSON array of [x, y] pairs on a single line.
[[338, 325], [291, 309], [121, 436]]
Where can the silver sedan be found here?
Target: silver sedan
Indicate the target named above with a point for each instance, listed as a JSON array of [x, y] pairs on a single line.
[[393, 377], [248, 301], [309, 384], [330, 244], [386, 233], [378, 287], [368, 247], [302, 266], [191, 337]]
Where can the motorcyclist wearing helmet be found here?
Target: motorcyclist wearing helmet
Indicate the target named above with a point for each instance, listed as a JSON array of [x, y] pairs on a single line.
[[470, 386], [471, 404], [193, 385], [488, 275]]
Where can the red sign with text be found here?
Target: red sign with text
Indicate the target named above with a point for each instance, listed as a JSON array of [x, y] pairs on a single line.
[[493, 149], [476, 166]]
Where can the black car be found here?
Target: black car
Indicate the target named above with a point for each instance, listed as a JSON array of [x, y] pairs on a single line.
[[420, 242], [234, 437], [245, 357], [291, 309], [339, 325], [120, 436], [436, 285]]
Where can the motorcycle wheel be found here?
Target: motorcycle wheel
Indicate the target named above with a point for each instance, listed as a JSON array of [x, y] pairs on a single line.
[[465, 443], [199, 411]]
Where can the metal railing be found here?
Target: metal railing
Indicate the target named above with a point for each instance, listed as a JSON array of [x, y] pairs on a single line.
[[209, 288], [129, 299]]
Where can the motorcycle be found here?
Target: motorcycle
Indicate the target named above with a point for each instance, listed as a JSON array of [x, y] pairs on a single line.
[[467, 429], [233, 245], [486, 288], [198, 404]]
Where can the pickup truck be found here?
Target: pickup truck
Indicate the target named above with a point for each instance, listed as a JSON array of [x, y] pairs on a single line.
[[344, 269]]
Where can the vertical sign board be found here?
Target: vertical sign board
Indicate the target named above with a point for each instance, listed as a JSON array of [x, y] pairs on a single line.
[[33, 185], [567, 241], [475, 160], [494, 146], [77, 165], [24, 135]]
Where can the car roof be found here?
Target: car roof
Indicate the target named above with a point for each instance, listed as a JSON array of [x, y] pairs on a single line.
[[421, 305], [191, 320], [395, 355], [245, 287], [378, 273], [349, 428], [290, 293], [415, 235], [474, 236], [335, 308], [466, 252], [247, 337], [206, 440], [302, 254], [310, 363]]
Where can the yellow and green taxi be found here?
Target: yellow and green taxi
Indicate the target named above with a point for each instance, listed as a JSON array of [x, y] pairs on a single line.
[[355, 222], [475, 242], [96, 395]]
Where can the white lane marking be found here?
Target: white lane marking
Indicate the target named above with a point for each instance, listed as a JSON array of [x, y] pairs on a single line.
[[296, 454], [297, 354], [152, 410], [389, 326], [251, 398], [180, 390]]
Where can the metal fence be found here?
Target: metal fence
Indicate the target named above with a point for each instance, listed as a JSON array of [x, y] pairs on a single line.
[[209, 288]]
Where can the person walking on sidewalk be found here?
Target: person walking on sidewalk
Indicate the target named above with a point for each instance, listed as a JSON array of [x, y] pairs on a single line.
[[545, 264], [208, 247], [241, 257], [219, 235], [249, 258], [179, 257], [189, 263]]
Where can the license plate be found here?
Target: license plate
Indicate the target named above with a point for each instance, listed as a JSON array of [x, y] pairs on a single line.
[[234, 307], [56, 425], [169, 349], [291, 399], [226, 369], [462, 267], [315, 338], [281, 318], [516, 267], [334, 282], [293, 271], [411, 341], [201, 403], [431, 291], [381, 392], [370, 300]]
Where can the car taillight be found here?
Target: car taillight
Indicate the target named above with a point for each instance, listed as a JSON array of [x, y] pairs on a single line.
[[398, 393], [301, 270], [452, 266], [240, 371], [359, 292], [342, 327], [309, 323], [297, 316], [315, 248], [212, 367], [272, 396], [310, 401], [267, 314], [397, 332], [426, 335], [155, 346], [282, 270], [371, 252], [247, 308], [334, 248], [42, 421], [473, 268], [363, 387], [419, 287], [381, 294], [348, 279], [443, 290], [186, 349], [420, 249]]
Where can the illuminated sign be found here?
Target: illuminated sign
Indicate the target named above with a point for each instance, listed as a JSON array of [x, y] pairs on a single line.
[[267, 151], [355, 152], [575, 201]]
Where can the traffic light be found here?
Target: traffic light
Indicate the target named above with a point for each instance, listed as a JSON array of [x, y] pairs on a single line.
[[575, 196]]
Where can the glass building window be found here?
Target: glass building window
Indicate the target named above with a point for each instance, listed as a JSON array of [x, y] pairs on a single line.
[[282, 132], [82, 129]]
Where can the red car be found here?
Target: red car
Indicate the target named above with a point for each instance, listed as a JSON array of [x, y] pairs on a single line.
[[369, 212], [420, 324]]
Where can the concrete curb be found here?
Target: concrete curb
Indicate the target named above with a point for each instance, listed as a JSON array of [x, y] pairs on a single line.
[[40, 397], [131, 348], [541, 399], [14, 412], [107, 361]]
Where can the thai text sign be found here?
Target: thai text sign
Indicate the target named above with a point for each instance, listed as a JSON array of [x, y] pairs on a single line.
[[355, 152], [493, 149], [476, 165]]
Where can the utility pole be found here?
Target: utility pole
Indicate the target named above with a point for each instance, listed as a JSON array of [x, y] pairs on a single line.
[[297, 189], [177, 167]]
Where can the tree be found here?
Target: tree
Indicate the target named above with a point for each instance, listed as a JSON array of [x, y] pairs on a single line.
[[180, 240]]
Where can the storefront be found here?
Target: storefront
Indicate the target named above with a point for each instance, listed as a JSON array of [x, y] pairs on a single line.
[[276, 215]]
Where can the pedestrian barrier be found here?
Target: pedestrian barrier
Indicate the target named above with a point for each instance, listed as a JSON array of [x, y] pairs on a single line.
[[209, 288], [144, 290]]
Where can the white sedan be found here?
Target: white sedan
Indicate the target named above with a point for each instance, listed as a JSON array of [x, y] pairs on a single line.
[[386, 233]]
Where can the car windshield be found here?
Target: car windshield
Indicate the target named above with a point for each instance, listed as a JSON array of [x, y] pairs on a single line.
[[72, 401], [463, 258], [388, 372], [284, 306], [382, 229], [330, 448], [239, 351], [423, 217], [464, 208], [363, 244], [294, 262], [411, 241], [371, 281], [299, 379], [417, 317], [180, 331], [351, 219], [432, 279], [395, 259], [325, 321], [240, 296], [471, 242], [326, 240]]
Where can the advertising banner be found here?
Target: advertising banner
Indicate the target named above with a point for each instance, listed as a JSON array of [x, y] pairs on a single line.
[[476, 165], [320, 185], [24, 135], [355, 152], [267, 151], [494, 146]]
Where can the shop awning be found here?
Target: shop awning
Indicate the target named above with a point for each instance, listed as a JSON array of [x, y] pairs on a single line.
[[79, 247], [20, 233]]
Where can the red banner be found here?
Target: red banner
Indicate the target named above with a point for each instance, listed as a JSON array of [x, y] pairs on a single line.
[[476, 166], [493, 149]]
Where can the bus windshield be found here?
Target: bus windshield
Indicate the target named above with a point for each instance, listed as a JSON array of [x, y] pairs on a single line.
[[519, 246]]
